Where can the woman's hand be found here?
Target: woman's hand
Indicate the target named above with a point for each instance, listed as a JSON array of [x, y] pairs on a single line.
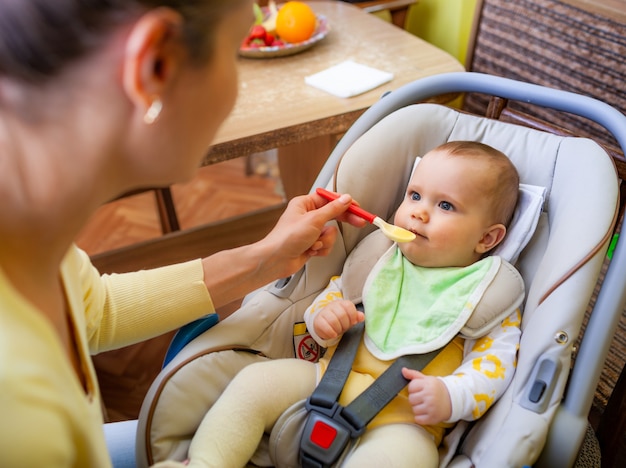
[[301, 232], [429, 398]]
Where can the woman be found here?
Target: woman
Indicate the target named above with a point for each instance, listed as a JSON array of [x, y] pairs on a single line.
[[98, 97]]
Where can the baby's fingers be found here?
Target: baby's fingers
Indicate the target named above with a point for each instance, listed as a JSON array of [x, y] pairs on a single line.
[[411, 374]]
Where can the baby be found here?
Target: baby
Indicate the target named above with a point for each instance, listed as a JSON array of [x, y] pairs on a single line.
[[458, 202]]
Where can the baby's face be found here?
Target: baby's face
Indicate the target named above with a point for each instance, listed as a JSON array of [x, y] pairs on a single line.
[[447, 208]]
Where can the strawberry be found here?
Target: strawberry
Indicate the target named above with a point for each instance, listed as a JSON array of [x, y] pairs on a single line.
[[256, 43], [257, 32]]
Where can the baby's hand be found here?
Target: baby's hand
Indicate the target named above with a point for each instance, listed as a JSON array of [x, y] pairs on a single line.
[[336, 318], [428, 397]]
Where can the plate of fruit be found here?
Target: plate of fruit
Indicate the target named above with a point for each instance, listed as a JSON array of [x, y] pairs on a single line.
[[284, 30]]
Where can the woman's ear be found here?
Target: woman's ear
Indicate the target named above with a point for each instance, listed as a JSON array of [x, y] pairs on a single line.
[[152, 56], [491, 238]]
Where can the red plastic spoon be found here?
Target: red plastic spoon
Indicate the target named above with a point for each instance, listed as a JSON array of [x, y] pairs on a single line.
[[395, 233]]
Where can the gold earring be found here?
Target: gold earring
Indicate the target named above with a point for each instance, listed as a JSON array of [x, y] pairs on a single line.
[[153, 111]]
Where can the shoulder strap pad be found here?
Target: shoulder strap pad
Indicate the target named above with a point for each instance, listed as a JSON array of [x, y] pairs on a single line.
[[502, 297], [360, 262]]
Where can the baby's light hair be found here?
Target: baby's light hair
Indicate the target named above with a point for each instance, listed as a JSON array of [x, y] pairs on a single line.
[[504, 189]]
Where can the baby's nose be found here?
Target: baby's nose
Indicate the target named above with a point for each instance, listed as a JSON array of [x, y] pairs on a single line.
[[421, 214]]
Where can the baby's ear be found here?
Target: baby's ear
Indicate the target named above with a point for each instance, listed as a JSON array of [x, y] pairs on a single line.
[[491, 238]]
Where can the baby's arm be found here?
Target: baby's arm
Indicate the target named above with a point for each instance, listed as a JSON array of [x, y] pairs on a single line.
[[330, 315], [482, 378], [336, 318], [486, 372], [428, 397]]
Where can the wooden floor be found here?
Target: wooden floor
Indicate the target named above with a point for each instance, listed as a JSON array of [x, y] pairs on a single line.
[[219, 191]]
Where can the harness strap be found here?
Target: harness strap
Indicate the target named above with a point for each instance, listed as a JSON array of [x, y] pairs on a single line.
[[327, 392], [373, 399], [330, 426]]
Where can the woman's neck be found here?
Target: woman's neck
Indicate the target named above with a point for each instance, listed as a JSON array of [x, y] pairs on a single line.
[[38, 223], [48, 188]]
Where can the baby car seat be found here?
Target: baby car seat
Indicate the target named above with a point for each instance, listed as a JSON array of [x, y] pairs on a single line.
[[542, 417]]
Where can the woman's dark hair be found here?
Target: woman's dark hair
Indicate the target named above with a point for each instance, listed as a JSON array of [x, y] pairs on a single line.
[[39, 37]]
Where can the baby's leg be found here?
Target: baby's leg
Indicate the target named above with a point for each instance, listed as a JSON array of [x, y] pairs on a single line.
[[232, 429], [395, 445]]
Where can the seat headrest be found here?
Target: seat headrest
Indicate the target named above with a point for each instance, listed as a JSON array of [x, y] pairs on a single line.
[[524, 222]]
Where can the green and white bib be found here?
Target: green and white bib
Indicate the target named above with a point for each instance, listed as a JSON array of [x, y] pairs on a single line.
[[414, 310]]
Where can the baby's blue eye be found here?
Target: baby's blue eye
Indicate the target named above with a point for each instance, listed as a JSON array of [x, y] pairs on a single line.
[[415, 196], [447, 206]]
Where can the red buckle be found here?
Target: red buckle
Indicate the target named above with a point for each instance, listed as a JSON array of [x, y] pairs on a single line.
[[323, 435]]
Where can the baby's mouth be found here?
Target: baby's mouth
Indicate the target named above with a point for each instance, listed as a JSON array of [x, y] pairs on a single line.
[[417, 233]]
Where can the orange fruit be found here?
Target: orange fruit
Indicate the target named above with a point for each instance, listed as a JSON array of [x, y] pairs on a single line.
[[295, 22]]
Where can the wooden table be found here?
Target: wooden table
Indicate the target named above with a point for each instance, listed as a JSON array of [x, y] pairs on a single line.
[[275, 106], [276, 109]]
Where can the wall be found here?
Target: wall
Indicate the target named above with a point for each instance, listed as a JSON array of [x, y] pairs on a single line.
[[445, 23]]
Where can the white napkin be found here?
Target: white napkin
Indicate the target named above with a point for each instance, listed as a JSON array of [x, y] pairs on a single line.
[[348, 79]]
